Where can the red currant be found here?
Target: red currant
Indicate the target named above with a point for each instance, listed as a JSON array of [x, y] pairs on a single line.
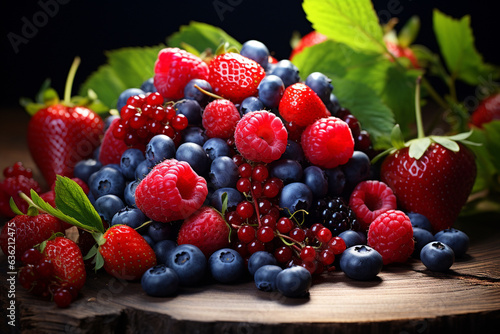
[[255, 246], [155, 99], [260, 173], [308, 254], [245, 209], [297, 234], [265, 234], [245, 170], [63, 298], [31, 256], [326, 257], [283, 254], [179, 122], [324, 235], [284, 225], [337, 245], [244, 185], [246, 233]]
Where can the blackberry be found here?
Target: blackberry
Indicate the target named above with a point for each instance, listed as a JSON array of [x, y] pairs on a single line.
[[334, 213]]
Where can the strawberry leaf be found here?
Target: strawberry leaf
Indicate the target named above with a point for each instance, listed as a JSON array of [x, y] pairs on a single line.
[[418, 147], [71, 199], [397, 139], [446, 142], [92, 252], [353, 23]]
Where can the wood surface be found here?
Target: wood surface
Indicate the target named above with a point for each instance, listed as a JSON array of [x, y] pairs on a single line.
[[406, 298]]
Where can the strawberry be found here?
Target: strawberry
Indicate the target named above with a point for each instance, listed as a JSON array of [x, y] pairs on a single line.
[[28, 231], [111, 148], [235, 77], [67, 261], [307, 40], [125, 252], [174, 68], [301, 105], [206, 229], [487, 111], [400, 51]]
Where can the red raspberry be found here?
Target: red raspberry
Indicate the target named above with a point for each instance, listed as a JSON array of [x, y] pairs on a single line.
[[171, 191], [301, 105], [206, 229], [370, 199], [10, 187], [17, 169], [391, 234], [219, 119], [328, 142], [260, 136], [174, 68]]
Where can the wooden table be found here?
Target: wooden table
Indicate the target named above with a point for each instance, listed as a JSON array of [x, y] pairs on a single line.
[[406, 298]]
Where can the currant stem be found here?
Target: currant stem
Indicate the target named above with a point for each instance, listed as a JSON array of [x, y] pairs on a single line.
[[215, 96], [418, 111], [254, 200], [70, 79]]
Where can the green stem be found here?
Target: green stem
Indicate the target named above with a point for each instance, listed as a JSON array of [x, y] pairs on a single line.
[[215, 96], [418, 111], [435, 96], [70, 79]]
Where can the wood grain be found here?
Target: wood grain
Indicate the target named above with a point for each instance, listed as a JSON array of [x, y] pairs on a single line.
[[405, 298]]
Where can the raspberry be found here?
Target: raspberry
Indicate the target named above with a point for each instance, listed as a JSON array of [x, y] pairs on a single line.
[[391, 234], [205, 229], [174, 68], [301, 105], [171, 191], [370, 199], [260, 136], [328, 142], [10, 187], [219, 119], [17, 169]]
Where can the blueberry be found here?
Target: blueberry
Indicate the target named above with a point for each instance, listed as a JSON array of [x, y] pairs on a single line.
[[224, 172], [84, 168], [107, 181], [295, 196], [217, 147], [108, 205], [129, 216], [315, 179], [321, 85], [271, 89], [162, 250], [160, 281], [160, 231], [294, 282], [437, 256], [249, 104], [361, 262], [265, 277], [194, 134], [422, 237], [352, 238], [195, 155], [287, 170], [356, 169], [419, 220], [293, 151], [233, 198], [148, 86], [259, 259], [226, 265], [287, 71], [129, 161], [191, 109], [193, 93], [123, 97], [143, 169], [333, 105], [189, 263], [456, 239], [336, 181], [159, 148], [148, 239], [129, 193], [257, 51]]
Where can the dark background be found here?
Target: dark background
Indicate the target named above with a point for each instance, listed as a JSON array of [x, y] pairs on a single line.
[[88, 28]]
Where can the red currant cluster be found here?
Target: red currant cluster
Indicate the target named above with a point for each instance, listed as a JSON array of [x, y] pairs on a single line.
[[260, 227], [145, 116], [37, 276]]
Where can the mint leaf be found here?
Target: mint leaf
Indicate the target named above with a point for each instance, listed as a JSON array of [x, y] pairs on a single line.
[[71, 200], [456, 42], [125, 68], [353, 23], [201, 36]]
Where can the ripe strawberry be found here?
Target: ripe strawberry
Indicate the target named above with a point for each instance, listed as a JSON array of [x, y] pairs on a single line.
[[235, 77], [309, 39], [111, 148], [435, 185], [301, 105], [206, 229], [67, 261], [28, 231], [401, 51], [174, 68], [487, 111], [125, 252]]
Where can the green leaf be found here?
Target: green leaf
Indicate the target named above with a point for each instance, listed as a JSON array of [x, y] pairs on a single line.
[[14, 208], [353, 23], [418, 147], [409, 32], [125, 68], [92, 252], [456, 42], [71, 199], [201, 36], [397, 139], [486, 168]]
